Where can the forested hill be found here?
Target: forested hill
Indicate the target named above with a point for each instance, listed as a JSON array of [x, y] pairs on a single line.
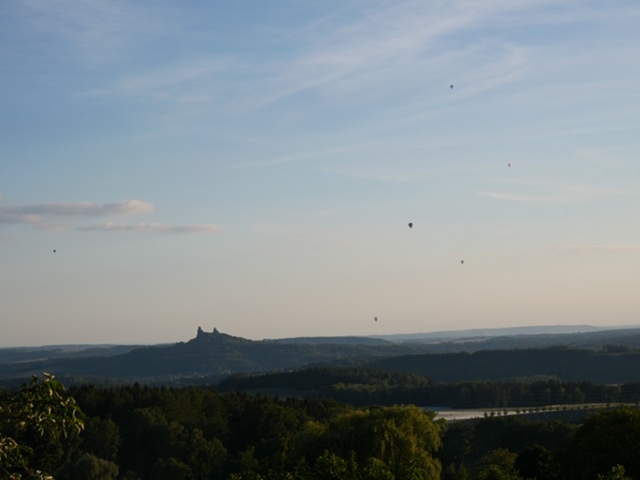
[[211, 356], [610, 365], [476, 340]]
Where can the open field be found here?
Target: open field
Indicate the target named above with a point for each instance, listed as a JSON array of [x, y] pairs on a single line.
[[551, 412]]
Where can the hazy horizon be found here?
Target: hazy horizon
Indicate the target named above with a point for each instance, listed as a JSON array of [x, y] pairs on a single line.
[[255, 167], [498, 331]]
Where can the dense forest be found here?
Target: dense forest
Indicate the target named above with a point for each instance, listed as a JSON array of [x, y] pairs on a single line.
[[366, 386], [611, 364], [151, 432]]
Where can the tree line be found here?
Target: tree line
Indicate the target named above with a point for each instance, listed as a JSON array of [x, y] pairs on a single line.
[[366, 386], [210, 358], [611, 364], [138, 432]]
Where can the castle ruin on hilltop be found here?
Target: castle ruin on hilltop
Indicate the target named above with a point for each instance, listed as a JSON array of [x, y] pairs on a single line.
[[201, 333]]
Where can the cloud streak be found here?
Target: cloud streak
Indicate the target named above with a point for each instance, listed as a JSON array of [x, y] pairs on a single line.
[[96, 27], [407, 45], [42, 216], [38, 213], [554, 194], [377, 45], [382, 44], [371, 53], [598, 248], [151, 228]]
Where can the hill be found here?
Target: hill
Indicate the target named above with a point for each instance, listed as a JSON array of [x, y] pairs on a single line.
[[443, 335], [209, 355], [212, 356], [612, 365], [473, 340]]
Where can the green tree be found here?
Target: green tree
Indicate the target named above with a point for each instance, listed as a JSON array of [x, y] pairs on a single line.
[[129, 475], [403, 439], [453, 472], [101, 437], [607, 438], [36, 424], [89, 467], [147, 436], [535, 462], [498, 464], [330, 466], [205, 456], [170, 469], [616, 473]]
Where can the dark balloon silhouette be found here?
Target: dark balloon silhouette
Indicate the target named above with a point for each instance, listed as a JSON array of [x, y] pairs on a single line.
[[410, 225], [462, 262], [375, 318], [54, 250], [509, 164], [450, 86]]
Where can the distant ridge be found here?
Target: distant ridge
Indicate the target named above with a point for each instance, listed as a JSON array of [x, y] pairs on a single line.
[[215, 335], [499, 332], [348, 340], [211, 356]]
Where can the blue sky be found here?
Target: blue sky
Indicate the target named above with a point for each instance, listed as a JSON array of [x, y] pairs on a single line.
[[253, 166]]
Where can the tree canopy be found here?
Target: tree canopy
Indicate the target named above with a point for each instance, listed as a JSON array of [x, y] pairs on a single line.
[[36, 424]]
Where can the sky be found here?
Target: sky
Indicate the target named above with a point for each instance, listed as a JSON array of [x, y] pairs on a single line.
[[254, 167]]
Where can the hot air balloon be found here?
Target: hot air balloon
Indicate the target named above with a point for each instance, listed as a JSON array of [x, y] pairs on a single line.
[[375, 318], [410, 225], [462, 262], [508, 164], [54, 250], [450, 86]]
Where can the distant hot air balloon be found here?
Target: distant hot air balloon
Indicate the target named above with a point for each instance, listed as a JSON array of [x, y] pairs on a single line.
[[375, 318], [509, 164], [54, 250], [410, 225], [462, 262], [451, 86]]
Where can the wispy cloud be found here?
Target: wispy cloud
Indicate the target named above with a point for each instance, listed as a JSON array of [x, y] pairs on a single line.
[[151, 228], [381, 172], [96, 27], [381, 46], [38, 213], [345, 149], [371, 53], [386, 49], [45, 217], [399, 41], [579, 248], [191, 82], [553, 194], [550, 199]]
